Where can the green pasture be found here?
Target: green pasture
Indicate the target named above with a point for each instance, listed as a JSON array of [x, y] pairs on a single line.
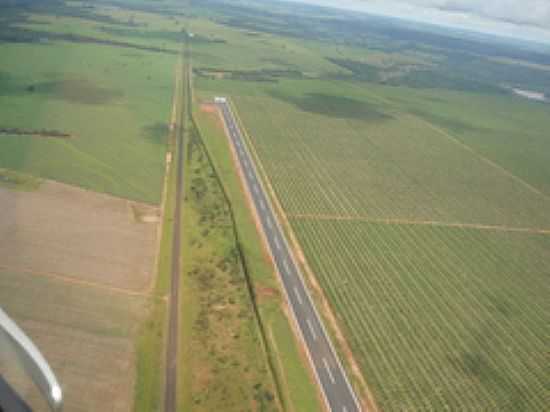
[[116, 103]]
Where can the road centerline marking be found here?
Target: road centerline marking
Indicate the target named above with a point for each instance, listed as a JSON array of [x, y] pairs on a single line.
[[298, 296], [329, 372], [287, 268], [311, 329]]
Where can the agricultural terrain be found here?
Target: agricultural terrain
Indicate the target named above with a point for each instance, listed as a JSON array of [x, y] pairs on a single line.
[[81, 291], [432, 255], [418, 194], [83, 140], [413, 182], [79, 77], [86, 92]]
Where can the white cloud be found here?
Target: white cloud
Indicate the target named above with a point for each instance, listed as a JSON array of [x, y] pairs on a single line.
[[528, 12], [526, 19]]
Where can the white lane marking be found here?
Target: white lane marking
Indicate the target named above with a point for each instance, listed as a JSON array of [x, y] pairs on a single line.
[[269, 223], [277, 243], [287, 268], [262, 204], [311, 329], [298, 296], [344, 409], [329, 372]]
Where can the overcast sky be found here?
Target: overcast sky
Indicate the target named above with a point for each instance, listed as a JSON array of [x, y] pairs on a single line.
[[527, 19]]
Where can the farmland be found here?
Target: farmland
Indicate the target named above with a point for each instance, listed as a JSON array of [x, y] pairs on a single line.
[[79, 291], [85, 94], [421, 210], [419, 243], [414, 188], [439, 318], [460, 184], [113, 101]]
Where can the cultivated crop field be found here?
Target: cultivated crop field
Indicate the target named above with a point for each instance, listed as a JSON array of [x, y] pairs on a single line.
[[75, 273], [112, 99], [367, 160], [68, 232], [439, 318], [433, 253]]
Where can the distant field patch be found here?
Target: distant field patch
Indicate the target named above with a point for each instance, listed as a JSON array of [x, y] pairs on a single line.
[[335, 106], [114, 106], [76, 90], [389, 166]]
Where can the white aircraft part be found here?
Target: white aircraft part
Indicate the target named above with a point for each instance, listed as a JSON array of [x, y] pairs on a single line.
[[33, 361]]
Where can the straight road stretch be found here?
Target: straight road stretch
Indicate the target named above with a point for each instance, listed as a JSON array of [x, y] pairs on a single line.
[[335, 387]]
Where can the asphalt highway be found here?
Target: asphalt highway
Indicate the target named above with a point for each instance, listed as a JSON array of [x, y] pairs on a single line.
[[335, 387], [170, 395]]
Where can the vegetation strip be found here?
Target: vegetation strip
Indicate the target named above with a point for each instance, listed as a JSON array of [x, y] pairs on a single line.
[[249, 281], [15, 131]]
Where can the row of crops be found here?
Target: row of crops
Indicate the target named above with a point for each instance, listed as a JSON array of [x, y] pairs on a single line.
[[439, 318], [394, 167]]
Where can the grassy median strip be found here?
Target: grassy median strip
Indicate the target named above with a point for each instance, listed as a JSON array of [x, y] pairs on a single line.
[[298, 391], [221, 349]]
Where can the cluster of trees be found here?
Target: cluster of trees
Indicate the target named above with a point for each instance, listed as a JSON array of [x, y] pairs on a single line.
[[34, 132]]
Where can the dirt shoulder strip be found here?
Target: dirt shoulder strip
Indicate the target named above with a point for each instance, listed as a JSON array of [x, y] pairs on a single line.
[[495, 228]]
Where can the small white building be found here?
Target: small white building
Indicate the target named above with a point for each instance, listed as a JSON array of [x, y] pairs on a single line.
[[220, 99]]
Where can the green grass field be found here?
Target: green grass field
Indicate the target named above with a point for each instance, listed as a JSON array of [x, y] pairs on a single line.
[[114, 101]]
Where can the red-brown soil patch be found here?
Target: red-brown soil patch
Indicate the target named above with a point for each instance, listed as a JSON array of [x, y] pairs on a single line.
[[212, 112]]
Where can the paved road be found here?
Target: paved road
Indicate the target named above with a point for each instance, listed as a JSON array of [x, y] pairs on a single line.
[[337, 391], [170, 397]]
